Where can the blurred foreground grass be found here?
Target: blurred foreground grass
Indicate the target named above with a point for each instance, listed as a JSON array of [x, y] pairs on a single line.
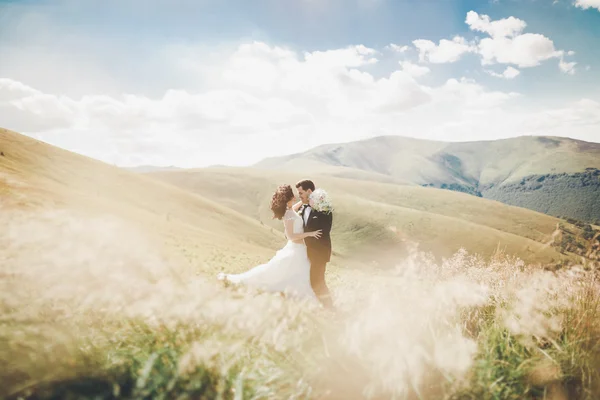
[[96, 316]]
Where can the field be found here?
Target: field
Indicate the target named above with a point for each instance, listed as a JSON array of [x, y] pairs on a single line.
[[108, 291], [374, 219]]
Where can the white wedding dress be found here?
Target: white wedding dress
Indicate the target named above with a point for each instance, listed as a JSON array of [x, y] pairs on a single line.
[[288, 271]]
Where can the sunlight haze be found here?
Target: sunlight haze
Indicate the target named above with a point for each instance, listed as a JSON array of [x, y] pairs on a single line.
[[300, 199]]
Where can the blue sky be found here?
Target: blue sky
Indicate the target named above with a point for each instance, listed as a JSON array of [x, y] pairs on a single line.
[[67, 63]]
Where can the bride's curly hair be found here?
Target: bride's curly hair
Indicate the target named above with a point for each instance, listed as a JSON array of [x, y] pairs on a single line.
[[281, 197]]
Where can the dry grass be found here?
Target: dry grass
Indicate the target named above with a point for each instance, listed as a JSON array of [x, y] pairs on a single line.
[[193, 229], [107, 291], [97, 315]]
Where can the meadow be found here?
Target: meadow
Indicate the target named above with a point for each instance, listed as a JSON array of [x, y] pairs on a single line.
[[114, 320], [108, 290]]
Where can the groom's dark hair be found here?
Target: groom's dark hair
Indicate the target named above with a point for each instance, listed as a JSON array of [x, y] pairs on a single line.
[[306, 184]]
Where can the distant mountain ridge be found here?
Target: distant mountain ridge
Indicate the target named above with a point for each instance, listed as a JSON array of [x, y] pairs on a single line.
[[555, 175]]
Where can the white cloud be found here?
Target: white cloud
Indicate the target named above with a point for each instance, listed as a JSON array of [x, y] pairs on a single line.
[[33, 110], [509, 73], [398, 48], [266, 100], [353, 56], [177, 110], [13, 90], [508, 44], [567, 67], [261, 91], [585, 4], [582, 115], [414, 70], [447, 51], [525, 51], [472, 95], [257, 100], [507, 27]]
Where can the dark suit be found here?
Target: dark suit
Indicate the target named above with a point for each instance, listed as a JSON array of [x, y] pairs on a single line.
[[319, 252]]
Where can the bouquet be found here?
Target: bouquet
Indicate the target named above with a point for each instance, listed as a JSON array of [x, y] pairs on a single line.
[[319, 201]]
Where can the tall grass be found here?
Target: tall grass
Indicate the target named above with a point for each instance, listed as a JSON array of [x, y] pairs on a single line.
[[89, 310]]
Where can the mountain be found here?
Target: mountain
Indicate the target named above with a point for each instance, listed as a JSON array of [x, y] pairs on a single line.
[[553, 175]]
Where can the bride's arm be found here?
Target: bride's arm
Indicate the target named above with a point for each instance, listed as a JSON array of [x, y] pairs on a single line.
[[297, 206], [289, 230]]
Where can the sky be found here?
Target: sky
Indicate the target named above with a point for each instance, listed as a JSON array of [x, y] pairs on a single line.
[[194, 83]]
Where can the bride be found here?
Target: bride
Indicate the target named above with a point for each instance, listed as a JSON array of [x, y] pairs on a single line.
[[289, 270]]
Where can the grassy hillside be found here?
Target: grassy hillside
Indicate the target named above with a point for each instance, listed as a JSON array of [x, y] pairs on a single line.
[[100, 297], [375, 220], [491, 169], [36, 177]]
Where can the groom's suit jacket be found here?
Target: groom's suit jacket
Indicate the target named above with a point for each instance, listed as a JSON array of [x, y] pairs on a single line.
[[319, 250]]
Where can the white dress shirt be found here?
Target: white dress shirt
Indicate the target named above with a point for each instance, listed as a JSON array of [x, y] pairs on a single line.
[[307, 211]]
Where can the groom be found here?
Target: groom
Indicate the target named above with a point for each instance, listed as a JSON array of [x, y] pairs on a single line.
[[319, 250]]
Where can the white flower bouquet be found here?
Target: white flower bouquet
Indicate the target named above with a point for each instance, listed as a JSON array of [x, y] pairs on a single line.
[[319, 201]]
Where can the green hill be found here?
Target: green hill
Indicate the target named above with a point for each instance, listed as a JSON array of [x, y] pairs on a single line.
[[565, 169]]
